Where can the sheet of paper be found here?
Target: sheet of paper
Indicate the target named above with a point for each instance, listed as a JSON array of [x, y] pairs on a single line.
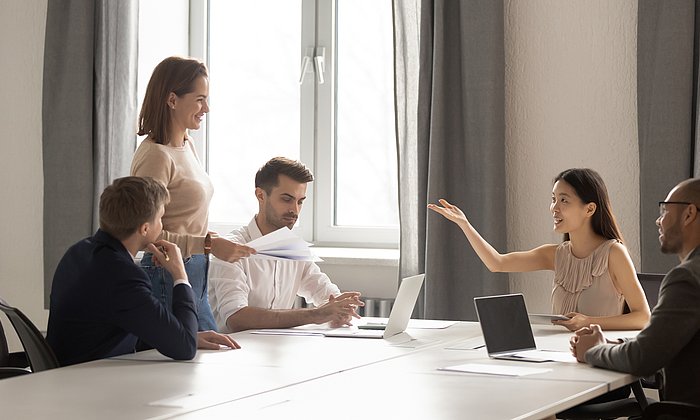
[[282, 243], [554, 356], [501, 370], [185, 401], [288, 331], [429, 324], [473, 343]]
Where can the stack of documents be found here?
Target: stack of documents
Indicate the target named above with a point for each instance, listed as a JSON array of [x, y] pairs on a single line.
[[282, 243]]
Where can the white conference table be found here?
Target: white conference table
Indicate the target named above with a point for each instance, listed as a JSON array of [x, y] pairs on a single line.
[[313, 377]]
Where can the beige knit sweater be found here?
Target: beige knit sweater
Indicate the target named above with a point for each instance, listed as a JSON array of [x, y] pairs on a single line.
[[185, 221]]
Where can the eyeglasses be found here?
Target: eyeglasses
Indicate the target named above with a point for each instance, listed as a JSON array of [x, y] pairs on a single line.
[[662, 205]]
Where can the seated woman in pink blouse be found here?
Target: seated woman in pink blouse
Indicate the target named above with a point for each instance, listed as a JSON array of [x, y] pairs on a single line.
[[593, 273]]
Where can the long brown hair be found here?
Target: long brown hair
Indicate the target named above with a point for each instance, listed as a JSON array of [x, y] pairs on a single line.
[[590, 188], [176, 75]]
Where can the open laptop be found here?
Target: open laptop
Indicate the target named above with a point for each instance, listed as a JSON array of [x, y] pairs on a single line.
[[398, 318], [507, 332]]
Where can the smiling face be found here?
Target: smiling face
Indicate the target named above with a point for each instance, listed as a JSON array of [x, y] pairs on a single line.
[[187, 111], [282, 206], [568, 211]]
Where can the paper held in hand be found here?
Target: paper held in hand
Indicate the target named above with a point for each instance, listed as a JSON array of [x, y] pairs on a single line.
[[282, 243]]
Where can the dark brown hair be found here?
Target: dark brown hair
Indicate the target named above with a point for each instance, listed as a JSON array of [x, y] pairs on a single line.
[[268, 175], [176, 75], [590, 188], [130, 202]]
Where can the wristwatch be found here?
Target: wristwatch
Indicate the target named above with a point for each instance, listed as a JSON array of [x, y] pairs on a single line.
[[207, 244]]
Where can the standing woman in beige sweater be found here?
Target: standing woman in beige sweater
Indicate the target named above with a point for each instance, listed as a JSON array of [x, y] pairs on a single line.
[[175, 102]]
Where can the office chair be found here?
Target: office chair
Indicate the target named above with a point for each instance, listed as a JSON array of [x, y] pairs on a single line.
[[11, 364], [625, 407], [651, 283], [671, 408], [39, 354]]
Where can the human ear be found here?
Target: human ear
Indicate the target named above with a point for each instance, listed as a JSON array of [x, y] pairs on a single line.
[[172, 99], [690, 214], [143, 229], [591, 208], [260, 194]]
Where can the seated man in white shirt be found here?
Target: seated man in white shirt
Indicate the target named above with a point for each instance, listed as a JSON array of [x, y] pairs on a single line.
[[259, 293]]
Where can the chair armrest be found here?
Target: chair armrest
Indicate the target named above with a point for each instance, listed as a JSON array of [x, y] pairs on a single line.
[[653, 381]]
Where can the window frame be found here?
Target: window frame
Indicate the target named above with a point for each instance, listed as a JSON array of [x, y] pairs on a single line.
[[325, 228], [317, 130]]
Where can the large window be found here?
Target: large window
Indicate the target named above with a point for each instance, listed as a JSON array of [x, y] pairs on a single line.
[[255, 97], [310, 80], [365, 146]]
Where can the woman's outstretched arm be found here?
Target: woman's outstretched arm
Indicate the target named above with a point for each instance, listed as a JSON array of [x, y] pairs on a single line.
[[540, 258]]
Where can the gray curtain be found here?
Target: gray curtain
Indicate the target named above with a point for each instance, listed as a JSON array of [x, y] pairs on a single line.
[[450, 95], [667, 115], [89, 114]]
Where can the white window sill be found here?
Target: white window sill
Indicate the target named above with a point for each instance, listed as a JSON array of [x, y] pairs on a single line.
[[357, 256], [372, 271], [348, 256]]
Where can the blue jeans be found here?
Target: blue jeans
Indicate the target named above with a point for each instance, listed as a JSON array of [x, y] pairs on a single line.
[[197, 268]]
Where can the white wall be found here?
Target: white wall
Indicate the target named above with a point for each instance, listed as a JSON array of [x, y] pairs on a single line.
[[570, 102], [22, 25]]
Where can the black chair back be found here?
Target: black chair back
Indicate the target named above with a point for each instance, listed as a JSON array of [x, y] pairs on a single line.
[[39, 354], [4, 350], [651, 283]]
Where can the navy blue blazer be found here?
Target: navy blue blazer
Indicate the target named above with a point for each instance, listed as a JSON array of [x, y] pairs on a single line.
[[101, 305]]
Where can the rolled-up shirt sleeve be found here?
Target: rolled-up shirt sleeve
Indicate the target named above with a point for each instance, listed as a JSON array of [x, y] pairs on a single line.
[[315, 286], [228, 290]]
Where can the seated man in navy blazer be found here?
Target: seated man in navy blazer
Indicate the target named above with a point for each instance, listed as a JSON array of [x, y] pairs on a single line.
[[101, 301]]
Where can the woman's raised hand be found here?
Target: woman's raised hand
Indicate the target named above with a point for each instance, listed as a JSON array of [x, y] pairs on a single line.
[[449, 211]]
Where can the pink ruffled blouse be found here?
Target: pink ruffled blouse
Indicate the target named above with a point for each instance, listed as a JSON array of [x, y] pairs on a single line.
[[584, 285]]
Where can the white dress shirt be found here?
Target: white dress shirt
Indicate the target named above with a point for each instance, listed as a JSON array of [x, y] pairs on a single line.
[[263, 283]]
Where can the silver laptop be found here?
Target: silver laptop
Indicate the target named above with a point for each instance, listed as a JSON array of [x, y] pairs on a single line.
[[507, 332], [398, 318]]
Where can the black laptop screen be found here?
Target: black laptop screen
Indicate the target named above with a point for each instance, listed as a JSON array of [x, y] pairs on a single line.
[[504, 323]]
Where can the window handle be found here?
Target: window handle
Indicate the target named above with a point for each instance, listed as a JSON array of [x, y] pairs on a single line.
[[305, 64], [304, 67], [320, 62]]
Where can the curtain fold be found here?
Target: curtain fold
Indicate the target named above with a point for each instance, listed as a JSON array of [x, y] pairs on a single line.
[[665, 98], [450, 101], [412, 173], [88, 114], [115, 118]]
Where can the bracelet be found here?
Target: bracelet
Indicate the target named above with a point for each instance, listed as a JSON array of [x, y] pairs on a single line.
[[207, 244]]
